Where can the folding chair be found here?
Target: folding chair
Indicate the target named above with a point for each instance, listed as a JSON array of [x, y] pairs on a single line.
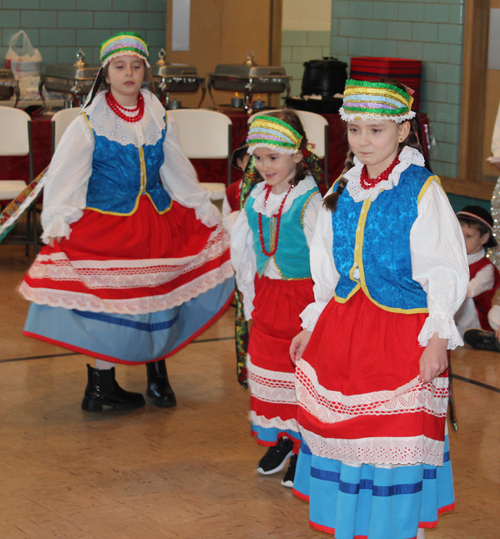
[[16, 141], [60, 122], [206, 134]]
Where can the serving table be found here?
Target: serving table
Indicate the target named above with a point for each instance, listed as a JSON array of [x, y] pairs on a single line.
[[208, 170]]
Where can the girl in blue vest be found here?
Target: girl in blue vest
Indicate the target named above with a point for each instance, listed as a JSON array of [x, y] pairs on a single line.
[[137, 263], [390, 269], [270, 253]]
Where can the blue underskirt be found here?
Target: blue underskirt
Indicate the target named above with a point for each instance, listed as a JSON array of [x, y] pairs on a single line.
[[373, 502], [124, 338]]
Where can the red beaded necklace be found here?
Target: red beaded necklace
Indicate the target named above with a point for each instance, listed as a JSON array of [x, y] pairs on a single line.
[[120, 110], [368, 183], [278, 221]]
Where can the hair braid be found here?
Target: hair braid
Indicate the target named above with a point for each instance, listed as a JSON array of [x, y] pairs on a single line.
[[330, 201]]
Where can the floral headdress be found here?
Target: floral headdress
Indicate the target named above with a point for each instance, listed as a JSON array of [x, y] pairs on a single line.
[[124, 44], [369, 100], [268, 131], [121, 44]]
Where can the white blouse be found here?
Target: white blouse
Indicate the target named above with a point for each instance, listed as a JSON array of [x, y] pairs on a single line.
[[438, 256], [66, 183], [243, 256], [484, 279]]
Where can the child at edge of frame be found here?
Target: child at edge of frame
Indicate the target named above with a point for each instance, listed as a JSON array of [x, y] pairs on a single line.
[[113, 282], [390, 270], [270, 253], [478, 320]]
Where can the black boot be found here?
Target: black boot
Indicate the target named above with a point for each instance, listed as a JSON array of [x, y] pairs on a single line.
[[103, 389], [158, 385]]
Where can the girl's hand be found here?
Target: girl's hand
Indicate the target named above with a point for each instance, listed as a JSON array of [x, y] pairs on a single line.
[[52, 240], [434, 360], [299, 343]]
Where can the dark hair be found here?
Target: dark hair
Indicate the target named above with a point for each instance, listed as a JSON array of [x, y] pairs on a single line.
[[483, 229], [411, 140], [291, 118]]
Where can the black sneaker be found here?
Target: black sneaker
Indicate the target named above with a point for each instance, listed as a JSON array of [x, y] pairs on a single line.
[[275, 458], [483, 340], [290, 473]]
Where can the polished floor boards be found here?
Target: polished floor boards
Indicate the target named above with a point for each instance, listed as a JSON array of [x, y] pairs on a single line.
[[187, 472]]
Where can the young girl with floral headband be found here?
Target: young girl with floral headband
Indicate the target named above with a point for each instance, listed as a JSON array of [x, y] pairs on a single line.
[[270, 253], [390, 269], [137, 263]]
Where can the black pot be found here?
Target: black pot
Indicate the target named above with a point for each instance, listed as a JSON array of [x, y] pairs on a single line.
[[324, 77]]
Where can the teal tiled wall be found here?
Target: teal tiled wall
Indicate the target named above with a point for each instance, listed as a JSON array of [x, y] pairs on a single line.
[[298, 47], [59, 27], [431, 31]]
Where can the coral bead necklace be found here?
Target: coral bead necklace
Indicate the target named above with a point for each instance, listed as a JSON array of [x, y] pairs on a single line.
[[120, 110], [278, 221], [368, 183]]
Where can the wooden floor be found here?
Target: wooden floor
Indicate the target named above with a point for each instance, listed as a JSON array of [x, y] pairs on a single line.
[[187, 472]]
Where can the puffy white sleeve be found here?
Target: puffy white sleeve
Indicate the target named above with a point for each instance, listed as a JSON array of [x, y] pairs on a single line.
[[244, 261], [439, 262], [323, 270], [65, 190], [179, 178], [311, 217]]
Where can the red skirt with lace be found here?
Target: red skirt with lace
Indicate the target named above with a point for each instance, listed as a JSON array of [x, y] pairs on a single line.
[[142, 263]]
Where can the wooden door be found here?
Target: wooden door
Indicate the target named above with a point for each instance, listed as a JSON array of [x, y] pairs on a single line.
[[222, 32]]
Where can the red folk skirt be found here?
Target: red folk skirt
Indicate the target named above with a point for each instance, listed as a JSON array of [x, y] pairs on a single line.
[[142, 263], [360, 400], [276, 321]]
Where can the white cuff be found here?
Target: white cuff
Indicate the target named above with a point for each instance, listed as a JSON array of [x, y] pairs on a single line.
[[229, 220], [444, 325], [58, 228], [311, 314]]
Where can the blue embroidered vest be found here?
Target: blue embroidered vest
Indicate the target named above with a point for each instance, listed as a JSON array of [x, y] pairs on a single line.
[[374, 237], [292, 256], [121, 174]]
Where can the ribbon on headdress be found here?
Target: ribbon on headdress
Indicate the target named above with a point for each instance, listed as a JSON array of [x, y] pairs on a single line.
[[250, 179], [369, 100]]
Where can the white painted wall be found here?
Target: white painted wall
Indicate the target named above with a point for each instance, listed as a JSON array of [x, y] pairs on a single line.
[[307, 15]]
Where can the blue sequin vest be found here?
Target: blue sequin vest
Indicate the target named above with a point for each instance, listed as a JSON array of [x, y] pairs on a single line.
[[374, 237], [292, 256], [122, 174]]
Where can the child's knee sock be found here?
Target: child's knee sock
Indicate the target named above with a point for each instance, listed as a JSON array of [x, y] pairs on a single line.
[[421, 533], [102, 365]]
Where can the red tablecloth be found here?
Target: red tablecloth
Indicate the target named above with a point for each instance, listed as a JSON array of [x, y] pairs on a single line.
[[208, 170], [17, 168]]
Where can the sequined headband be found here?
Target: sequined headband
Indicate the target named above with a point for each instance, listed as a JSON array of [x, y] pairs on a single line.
[[375, 101], [124, 44], [268, 131]]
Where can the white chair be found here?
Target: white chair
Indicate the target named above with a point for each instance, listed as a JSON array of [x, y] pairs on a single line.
[[16, 141], [205, 134], [316, 128], [60, 122]]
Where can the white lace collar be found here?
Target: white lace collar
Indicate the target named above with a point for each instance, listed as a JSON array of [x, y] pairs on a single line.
[[274, 201], [145, 132], [408, 156]]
